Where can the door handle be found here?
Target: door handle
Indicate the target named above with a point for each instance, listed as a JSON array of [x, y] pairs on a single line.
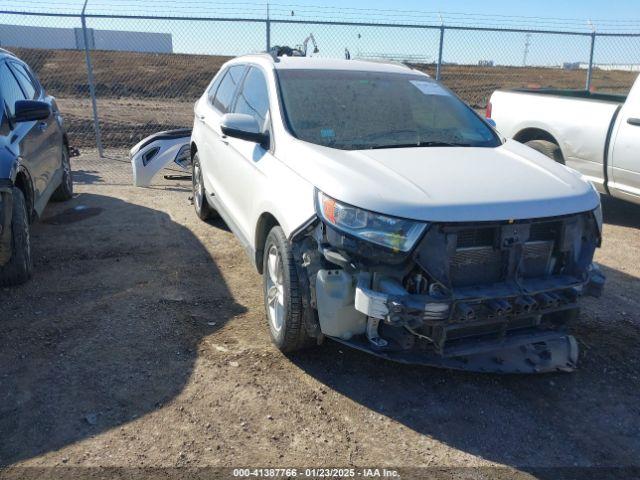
[[43, 126], [634, 121], [201, 118]]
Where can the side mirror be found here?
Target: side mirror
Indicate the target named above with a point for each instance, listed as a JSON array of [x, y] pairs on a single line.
[[491, 122], [244, 127], [31, 110]]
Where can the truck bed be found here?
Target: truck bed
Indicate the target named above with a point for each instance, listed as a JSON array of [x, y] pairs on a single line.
[[577, 94]]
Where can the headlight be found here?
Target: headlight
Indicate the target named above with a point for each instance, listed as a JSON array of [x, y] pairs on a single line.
[[390, 232]]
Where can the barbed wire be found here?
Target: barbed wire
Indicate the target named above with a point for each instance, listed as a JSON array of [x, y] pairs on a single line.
[[295, 11]]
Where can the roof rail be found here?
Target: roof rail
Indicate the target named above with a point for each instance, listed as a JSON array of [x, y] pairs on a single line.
[[384, 60], [7, 52]]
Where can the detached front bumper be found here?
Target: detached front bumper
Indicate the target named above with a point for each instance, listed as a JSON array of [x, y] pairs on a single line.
[[6, 213]]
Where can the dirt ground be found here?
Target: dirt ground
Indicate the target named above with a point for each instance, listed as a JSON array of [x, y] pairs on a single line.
[[141, 342]]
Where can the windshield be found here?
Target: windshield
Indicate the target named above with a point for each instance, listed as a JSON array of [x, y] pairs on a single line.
[[353, 110]]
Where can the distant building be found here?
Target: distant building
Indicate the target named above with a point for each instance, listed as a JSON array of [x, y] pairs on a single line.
[[624, 67], [73, 39], [571, 66], [485, 63]]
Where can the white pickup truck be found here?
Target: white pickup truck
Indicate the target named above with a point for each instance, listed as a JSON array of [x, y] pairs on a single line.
[[598, 135]]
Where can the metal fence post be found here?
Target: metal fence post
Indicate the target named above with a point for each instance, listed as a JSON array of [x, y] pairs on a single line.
[[439, 65], [268, 27], [590, 69], [92, 89]]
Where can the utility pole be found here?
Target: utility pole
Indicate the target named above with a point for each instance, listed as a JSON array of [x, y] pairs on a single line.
[[527, 44]]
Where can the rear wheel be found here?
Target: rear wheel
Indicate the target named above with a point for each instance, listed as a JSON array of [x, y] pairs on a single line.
[[18, 269], [547, 148], [65, 190], [282, 295], [200, 203]]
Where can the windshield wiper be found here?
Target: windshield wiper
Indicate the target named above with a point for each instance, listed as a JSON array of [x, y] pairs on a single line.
[[420, 144]]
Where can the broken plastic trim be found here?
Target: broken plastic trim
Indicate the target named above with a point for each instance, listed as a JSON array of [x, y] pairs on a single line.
[[518, 353]]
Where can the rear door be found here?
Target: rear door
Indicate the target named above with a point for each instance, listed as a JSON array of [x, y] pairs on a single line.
[[625, 158], [27, 139], [51, 130]]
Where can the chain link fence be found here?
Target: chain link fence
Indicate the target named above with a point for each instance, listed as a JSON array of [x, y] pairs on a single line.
[[145, 72]]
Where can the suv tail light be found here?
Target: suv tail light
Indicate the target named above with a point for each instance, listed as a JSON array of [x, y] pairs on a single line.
[[489, 107]]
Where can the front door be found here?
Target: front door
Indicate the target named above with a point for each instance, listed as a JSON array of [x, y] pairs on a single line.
[[27, 139]]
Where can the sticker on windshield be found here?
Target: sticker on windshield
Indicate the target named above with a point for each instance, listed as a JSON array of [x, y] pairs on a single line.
[[429, 88]]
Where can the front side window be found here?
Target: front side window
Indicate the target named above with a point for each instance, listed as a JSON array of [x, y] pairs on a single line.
[[27, 82], [354, 110], [9, 88], [254, 98], [227, 88]]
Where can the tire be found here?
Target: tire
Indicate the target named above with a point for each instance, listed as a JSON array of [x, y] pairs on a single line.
[[282, 295], [200, 202], [65, 190], [19, 268], [549, 149]]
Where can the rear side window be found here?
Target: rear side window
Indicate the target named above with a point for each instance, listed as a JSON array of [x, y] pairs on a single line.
[[9, 88], [29, 87], [227, 88], [214, 86]]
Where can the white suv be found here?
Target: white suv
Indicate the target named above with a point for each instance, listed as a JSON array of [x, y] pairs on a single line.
[[386, 214]]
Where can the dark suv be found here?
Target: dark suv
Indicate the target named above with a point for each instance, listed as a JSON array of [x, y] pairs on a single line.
[[34, 163]]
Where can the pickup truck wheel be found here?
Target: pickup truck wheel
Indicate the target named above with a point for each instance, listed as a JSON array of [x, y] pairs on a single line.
[[18, 269], [65, 190], [547, 148], [282, 295], [200, 203]]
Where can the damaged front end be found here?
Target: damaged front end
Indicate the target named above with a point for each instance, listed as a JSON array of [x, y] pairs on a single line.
[[486, 296]]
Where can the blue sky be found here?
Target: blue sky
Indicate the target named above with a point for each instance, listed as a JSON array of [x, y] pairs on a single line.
[[580, 9], [460, 47]]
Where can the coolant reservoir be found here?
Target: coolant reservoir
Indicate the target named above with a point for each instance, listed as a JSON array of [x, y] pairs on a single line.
[[335, 293]]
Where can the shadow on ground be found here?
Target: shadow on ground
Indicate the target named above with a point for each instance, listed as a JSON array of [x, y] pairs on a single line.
[[620, 212], [122, 302]]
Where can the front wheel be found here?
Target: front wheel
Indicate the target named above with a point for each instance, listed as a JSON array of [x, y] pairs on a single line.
[[18, 269], [200, 203], [282, 295]]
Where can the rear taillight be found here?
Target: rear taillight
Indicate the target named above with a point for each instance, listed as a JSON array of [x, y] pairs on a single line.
[[488, 114]]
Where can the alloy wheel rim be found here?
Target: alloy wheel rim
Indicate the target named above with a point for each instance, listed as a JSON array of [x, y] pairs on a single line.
[[275, 289], [66, 165], [197, 187]]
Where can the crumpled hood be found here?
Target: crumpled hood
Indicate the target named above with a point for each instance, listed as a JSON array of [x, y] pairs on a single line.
[[447, 184]]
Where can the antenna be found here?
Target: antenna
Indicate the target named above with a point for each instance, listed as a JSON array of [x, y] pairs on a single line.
[[527, 44]]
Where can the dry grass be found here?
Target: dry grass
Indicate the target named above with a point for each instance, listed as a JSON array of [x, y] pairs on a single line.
[[140, 93]]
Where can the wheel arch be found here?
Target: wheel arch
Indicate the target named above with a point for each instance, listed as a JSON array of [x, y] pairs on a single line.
[[533, 133], [265, 223], [23, 183]]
